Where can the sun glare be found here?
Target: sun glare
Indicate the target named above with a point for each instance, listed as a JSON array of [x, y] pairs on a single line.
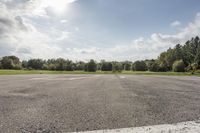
[[56, 5]]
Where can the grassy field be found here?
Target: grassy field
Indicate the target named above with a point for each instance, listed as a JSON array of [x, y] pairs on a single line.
[[15, 72], [161, 73]]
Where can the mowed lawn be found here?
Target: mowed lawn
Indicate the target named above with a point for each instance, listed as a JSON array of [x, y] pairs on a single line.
[[15, 72]]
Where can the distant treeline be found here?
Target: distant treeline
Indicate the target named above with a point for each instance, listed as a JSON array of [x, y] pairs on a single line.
[[181, 58]]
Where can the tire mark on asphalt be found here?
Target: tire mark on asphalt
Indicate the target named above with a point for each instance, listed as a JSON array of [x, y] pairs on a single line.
[[150, 100]]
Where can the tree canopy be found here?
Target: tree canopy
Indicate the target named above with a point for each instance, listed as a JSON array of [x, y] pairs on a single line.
[[184, 57]]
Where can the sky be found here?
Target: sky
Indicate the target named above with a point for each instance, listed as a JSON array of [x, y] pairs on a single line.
[[96, 29]]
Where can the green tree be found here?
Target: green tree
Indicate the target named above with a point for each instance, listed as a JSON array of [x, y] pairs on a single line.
[[91, 66], [197, 56], [167, 58], [191, 51], [10, 62], [170, 58], [163, 67], [187, 56], [126, 65], [106, 66], [25, 64], [36, 64], [117, 67], [178, 52], [69, 65], [153, 65], [179, 66], [79, 65], [60, 64], [139, 66], [0, 64], [51, 66]]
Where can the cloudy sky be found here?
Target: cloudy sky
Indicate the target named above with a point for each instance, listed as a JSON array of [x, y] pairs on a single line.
[[98, 29]]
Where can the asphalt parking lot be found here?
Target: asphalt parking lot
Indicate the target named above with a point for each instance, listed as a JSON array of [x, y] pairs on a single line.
[[70, 103]]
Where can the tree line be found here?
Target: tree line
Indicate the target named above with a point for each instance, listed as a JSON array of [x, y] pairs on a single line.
[[181, 58]]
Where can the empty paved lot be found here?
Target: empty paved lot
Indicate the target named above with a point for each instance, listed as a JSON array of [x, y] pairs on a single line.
[[66, 103]]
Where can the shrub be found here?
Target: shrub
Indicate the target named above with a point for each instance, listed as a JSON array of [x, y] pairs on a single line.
[[179, 66], [194, 66]]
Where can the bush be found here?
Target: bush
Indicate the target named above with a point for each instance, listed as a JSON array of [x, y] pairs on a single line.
[[179, 66], [194, 66], [17, 67], [197, 71], [139, 66], [188, 68]]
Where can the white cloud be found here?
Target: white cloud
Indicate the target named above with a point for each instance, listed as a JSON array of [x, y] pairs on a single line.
[[63, 21], [175, 23], [77, 29], [19, 37], [46, 7], [27, 35], [151, 47]]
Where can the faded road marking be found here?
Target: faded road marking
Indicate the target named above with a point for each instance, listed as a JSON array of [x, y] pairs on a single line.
[[78, 78], [122, 77]]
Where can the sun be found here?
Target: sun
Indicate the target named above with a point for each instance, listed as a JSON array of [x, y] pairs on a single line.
[[57, 5]]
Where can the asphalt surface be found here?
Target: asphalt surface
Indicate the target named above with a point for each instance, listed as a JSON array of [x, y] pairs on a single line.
[[68, 103]]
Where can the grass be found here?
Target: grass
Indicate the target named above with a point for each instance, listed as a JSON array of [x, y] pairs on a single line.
[[161, 73], [15, 72]]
